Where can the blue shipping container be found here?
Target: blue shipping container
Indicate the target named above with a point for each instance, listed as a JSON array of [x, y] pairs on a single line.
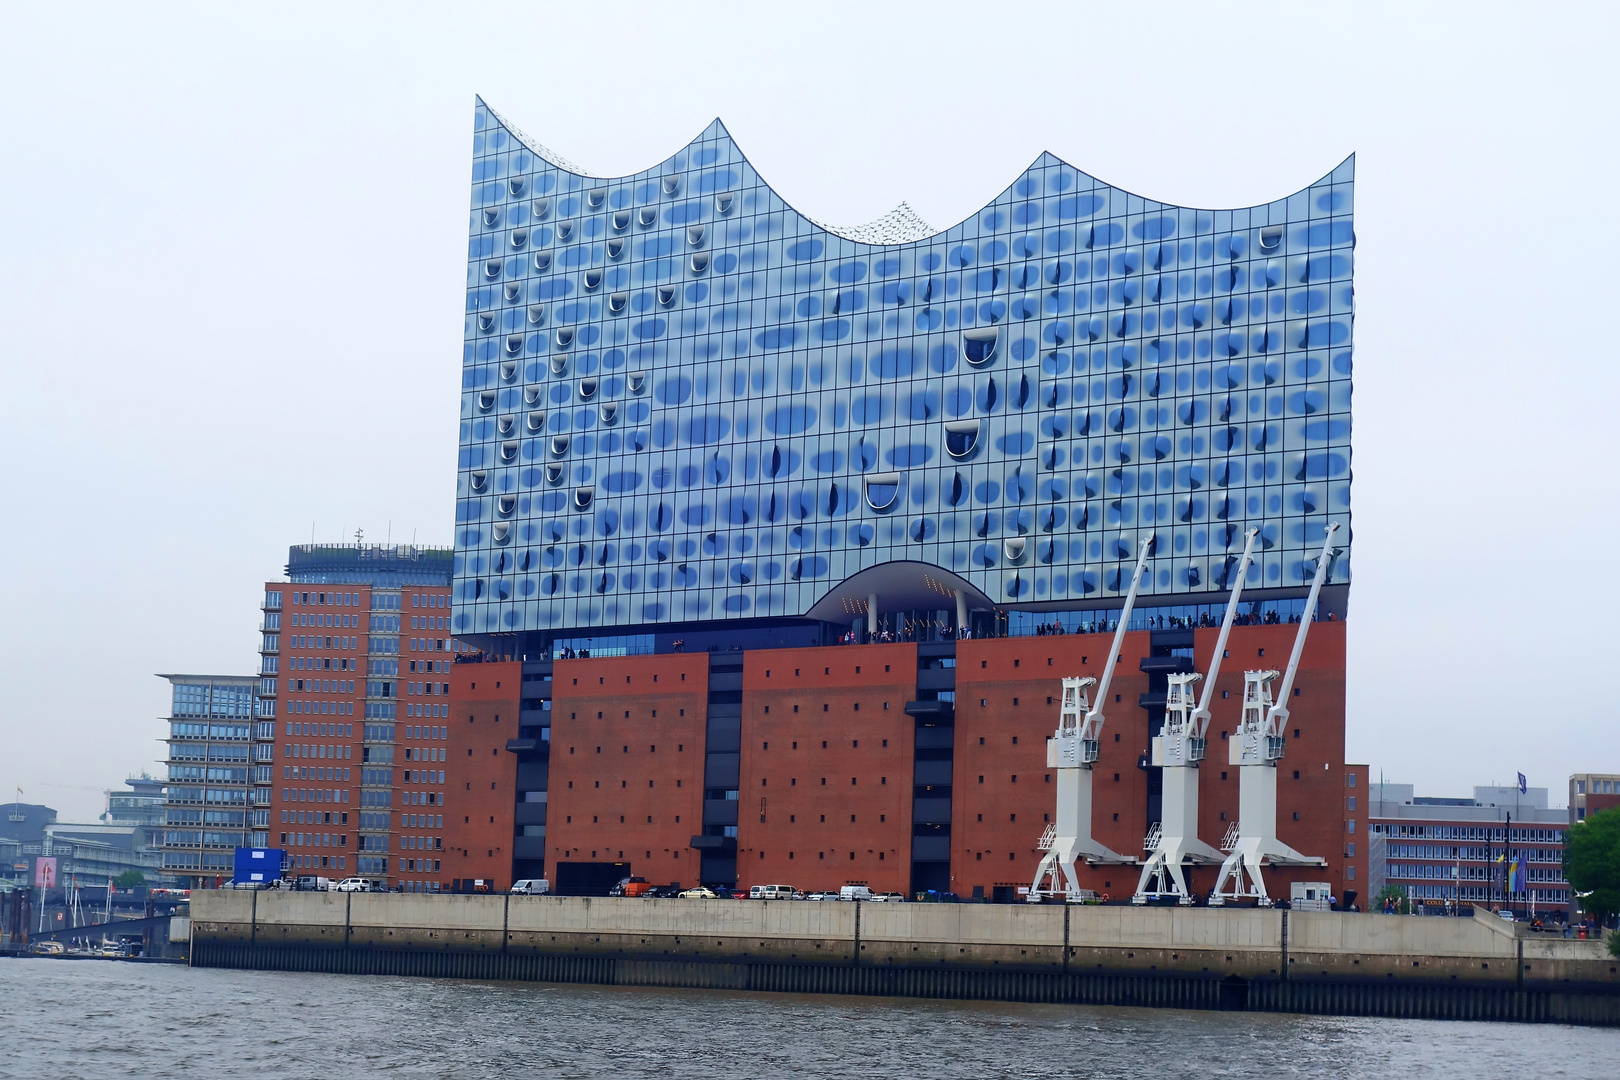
[[257, 865]]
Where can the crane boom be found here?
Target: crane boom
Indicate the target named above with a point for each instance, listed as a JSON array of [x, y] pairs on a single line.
[[1278, 714], [1200, 717], [1091, 727]]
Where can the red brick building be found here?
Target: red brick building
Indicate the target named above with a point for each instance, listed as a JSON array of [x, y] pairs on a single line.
[[896, 766]]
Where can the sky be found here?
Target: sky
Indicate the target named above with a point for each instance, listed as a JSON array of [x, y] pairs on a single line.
[[232, 258]]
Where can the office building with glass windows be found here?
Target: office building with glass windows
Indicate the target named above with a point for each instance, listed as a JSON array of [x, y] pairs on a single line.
[[696, 420], [218, 776], [355, 656]]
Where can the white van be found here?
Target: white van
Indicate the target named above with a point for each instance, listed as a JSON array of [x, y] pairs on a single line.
[[531, 887], [772, 892], [854, 892]]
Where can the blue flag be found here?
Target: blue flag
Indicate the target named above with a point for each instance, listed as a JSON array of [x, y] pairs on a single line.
[[1522, 788]]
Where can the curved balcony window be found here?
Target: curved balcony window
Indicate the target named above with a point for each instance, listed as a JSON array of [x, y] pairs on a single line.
[[1271, 238], [559, 364], [595, 199], [513, 290], [565, 229], [520, 239], [583, 496], [671, 185], [531, 395], [478, 481], [615, 247], [564, 336], [587, 389], [621, 220], [486, 400], [979, 345], [609, 411], [502, 531], [638, 381], [723, 202], [666, 295], [537, 314], [541, 208], [617, 302], [700, 263], [486, 322], [509, 451], [646, 216], [515, 186], [554, 472], [1013, 547], [559, 445], [535, 422], [695, 234], [882, 489], [542, 261], [492, 217], [514, 344], [492, 269], [593, 278], [505, 424], [505, 505], [961, 436]]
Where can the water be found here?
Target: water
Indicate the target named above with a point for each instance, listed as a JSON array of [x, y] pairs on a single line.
[[65, 1020]]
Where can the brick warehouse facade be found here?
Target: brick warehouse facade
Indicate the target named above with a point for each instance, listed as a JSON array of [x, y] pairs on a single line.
[[819, 767]]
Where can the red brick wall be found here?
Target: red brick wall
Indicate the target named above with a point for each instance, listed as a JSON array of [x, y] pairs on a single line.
[[627, 746], [996, 822], [1014, 678], [480, 776], [298, 701], [1596, 804], [1316, 713], [826, 769], [1355, 810]]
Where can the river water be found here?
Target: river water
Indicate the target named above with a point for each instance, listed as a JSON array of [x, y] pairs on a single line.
[[65, 1020]]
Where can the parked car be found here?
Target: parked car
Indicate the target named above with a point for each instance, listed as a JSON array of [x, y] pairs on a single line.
[[352, 884], [854, 892], [313, 884], [1505, 914], [531, 887], [822, 896], [771, 892], [377, 886], [630, 886], [888, 898], [663, 892], [702, 892]]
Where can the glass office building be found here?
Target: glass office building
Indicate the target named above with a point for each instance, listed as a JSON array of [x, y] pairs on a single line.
[[218, 775], [686, 401]]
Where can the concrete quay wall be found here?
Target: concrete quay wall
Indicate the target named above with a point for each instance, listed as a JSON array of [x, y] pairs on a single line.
[[1251, 944]]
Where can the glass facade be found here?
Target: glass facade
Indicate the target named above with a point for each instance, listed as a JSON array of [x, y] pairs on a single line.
[[684, 400], [217, 795]]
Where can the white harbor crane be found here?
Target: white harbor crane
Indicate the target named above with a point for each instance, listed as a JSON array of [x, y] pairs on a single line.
[[1072, 751], [1178, 749], [1257, 747]]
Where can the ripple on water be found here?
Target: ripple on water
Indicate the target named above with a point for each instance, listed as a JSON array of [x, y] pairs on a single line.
[[93, 1020]]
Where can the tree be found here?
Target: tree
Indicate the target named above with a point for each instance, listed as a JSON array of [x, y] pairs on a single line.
[[130, 879], [1592, 852]]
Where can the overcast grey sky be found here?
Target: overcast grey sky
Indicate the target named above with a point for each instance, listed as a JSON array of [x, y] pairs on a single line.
[[232, 250]]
